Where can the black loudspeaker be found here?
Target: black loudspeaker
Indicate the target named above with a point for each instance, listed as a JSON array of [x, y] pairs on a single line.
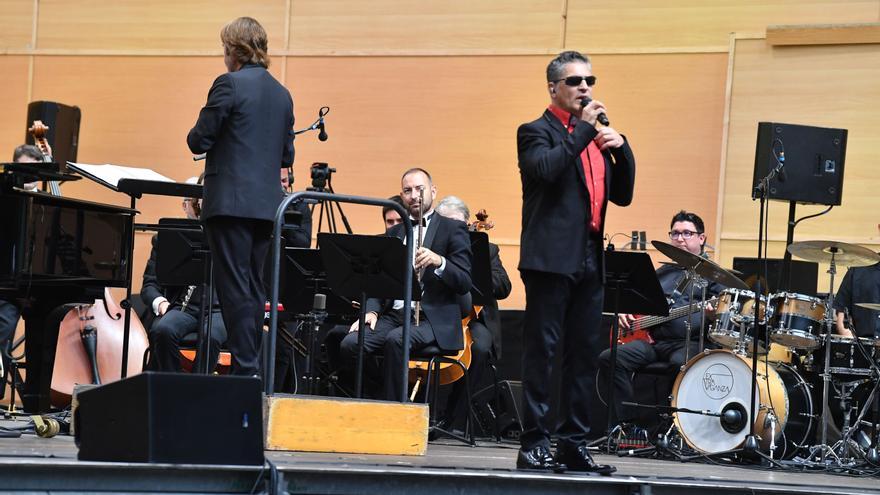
[[63, 122], [813, 159], [507, 410], [804, 275], [172, 418]]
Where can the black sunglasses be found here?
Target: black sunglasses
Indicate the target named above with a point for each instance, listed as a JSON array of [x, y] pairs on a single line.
[[575, 81]]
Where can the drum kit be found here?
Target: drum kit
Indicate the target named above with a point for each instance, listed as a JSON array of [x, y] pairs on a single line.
[[797, 354]]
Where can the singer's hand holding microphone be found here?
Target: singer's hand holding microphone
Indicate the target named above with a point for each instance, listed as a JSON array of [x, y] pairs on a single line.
[[593, 111]]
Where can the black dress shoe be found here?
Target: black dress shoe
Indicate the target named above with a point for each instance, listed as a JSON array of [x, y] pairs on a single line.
[[579, 459], [538, 458]]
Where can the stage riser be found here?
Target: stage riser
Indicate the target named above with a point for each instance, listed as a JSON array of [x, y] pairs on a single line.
[[312, 424]]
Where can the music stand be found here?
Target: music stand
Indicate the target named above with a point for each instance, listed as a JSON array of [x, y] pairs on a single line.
[[362, 266], [183, 258], [631, 286], [303, 275], [481, 269]]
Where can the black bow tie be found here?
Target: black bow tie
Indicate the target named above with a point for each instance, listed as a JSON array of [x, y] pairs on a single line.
[[425, 220]]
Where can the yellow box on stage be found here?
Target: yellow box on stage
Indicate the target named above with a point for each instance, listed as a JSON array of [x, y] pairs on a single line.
[[328, 424]]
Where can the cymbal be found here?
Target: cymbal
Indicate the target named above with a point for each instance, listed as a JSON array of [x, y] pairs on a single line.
[[874, 306], [842, 253], [705, 268]]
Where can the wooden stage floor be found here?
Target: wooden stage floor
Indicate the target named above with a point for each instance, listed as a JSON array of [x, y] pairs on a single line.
[[37, 465]]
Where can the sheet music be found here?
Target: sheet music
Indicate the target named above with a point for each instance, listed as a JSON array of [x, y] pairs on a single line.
[[111, 174]]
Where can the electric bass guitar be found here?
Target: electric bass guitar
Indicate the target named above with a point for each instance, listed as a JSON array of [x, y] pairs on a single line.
[[640, 327]]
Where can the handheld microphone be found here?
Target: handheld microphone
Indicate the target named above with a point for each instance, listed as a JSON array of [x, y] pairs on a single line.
[[602, 118], [322, 133]]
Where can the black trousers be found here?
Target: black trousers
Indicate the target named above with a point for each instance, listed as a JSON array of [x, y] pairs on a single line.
[[168, 330], [9, 314], [633, 356], [566, 308], [238, 249], [387, 339]]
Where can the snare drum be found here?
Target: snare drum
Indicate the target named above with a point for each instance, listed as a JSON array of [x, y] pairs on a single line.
[[796, 319], [717, 381], [735, 310]]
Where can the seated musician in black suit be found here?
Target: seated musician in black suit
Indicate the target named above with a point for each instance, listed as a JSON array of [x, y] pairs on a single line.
[[176, 311], [668, 341], [445, 261], [9, 310], [485, 329]]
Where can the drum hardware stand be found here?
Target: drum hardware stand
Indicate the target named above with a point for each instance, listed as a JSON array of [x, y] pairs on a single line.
[[823, 448]]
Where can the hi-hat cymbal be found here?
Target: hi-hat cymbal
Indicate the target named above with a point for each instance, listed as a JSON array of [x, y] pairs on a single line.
[[874, 306], [702, 266], [842, 253]]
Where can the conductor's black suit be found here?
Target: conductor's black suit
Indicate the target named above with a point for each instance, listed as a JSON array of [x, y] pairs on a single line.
[[246, 129]]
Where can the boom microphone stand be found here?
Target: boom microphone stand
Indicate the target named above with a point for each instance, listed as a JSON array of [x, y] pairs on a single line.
[[750, 445]]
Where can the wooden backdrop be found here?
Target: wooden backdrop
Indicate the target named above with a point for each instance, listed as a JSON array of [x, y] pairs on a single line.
[[444, 84]]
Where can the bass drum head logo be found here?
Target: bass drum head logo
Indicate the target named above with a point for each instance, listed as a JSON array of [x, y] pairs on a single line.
[[717, 381]]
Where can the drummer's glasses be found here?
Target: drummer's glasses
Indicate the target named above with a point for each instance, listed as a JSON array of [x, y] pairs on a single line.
[[684, 234], [575, 81]]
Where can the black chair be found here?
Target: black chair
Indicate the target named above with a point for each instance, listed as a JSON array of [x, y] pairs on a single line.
[[435, 357]]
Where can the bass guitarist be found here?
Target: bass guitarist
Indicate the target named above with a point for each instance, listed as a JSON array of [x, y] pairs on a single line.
[[665, 342]]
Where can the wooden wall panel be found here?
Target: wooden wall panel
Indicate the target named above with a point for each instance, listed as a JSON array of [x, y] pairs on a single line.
[[827, 86], [158, 24], [459, 122], [697, 24], [13, 101], [354, 25], [16, 23]]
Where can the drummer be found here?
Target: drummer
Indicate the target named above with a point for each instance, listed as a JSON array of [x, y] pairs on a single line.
[[860, 285], [686, 232]]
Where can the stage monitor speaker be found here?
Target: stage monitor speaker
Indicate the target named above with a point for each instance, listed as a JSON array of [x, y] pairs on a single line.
[[63, 122], [172, 418], [813, 162], [507, 411]]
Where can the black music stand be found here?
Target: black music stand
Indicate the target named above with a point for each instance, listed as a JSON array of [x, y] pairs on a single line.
[[302, 276], [631, 286], [481, 269], [184, 258], [362, 266]]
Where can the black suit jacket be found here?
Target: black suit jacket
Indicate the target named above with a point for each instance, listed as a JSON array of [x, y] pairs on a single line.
[[442, 296], [556, 213], [246, 129], [501, 288]]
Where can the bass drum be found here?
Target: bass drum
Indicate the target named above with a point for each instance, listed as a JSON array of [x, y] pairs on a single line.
[[720, 381]]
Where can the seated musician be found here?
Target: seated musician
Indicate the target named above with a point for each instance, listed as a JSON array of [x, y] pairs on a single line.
[[176, 311], [485, 330], [445, 262], [668, 340], [9, 310], [390, 215], [859, 285]]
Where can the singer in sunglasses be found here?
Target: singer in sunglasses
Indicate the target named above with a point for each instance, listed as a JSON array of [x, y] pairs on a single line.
[[571, 164]]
